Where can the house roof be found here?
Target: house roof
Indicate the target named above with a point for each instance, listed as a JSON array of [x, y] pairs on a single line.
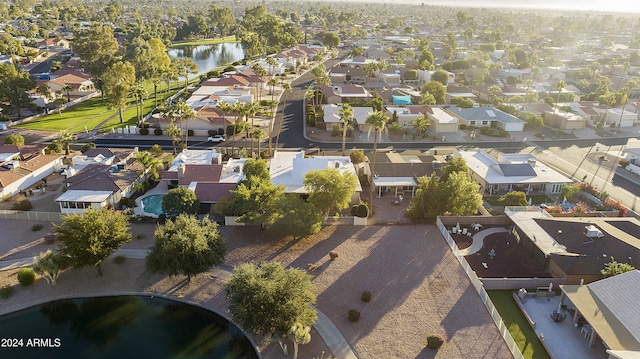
[[213, 192], [611, 308], [200, 173], [394, 165], [510, 169], [483, 114], [84, 196], [289, 168]]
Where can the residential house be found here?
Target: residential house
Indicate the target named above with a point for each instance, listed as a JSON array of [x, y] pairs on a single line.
[[460, 91], [425, 75], [53, 42], [406, 115], [563, 120], [617, 117], [346, 93], [576, 248], [345, 75], [487, 116], [24, 166], [80, 86], [609, 310], [289, 168], [101, 185], [512, 172], [396, 174], [441, 120]]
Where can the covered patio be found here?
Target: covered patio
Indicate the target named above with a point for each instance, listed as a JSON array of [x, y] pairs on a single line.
[[396, 185]]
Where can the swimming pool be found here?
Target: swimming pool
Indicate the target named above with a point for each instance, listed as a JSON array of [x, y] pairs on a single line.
[[128, 326], [152, 204]]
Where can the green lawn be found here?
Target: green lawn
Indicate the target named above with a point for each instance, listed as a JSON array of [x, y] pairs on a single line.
[[205, 41], [518, 326], [536, 199]]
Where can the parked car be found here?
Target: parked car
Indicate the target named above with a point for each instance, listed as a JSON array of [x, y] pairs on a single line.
[[216, 139]]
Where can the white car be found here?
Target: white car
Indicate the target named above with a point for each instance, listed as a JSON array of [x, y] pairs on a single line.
[[216, 139]]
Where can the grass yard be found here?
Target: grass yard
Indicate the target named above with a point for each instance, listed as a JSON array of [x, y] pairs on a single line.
[[205, 41], [536, 199], [517, 324]]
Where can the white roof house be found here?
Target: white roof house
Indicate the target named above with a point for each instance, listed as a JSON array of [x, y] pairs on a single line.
[[486, 116], [512, 172], [442, 121], [289, 168], [77, 201]]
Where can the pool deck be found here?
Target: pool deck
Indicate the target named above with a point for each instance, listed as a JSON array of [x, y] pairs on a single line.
[[138, 210]]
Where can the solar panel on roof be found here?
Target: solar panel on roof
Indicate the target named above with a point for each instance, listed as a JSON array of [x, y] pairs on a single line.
[[491, 113]]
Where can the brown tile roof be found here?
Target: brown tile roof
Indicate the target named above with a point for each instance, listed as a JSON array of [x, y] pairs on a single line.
[[213, 192], [353, 89], [7, 177], [69, 79], [200, 174], [38, 162]]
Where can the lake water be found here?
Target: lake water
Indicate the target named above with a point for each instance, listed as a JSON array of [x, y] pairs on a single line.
[[131, 326], [208, 57]]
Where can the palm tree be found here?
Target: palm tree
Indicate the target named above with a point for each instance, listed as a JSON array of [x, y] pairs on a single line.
[[256, 135], [67, 89], [272, 82], [150, 164], [251, 108], [559, 86], [184, 113], [260, 73], [139, 93], [421, 124], [65, 138], [285, 88], [240, 112], [321, 78], [346, 114], [377, 122], [174, 132], [370, 68]]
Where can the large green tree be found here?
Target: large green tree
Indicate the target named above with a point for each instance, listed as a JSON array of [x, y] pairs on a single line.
[[97, 48], [330, 190], [269, 300], [14, 90], [88, 238], [515, 198], [186, 246], [256, 201], [437, 89], [180, 200], [295, 217], [117, 81]]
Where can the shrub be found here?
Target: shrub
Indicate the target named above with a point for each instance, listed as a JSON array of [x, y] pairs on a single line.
[[354, 210], [6, 291], [333, 255], [157, 131], [357, 156], [26, 277], [86, 147], [220, 131], [435, 341], [366, 296], [354, 315], [462, 126], [22, 204], [156, 150], [119, 259], [363, 211], [127, 202], [144, 131], [212, 132], [36, 227]]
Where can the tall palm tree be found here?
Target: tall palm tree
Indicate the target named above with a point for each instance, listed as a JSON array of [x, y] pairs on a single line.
[[285, 89], [346, 114], [240, 112], [559, 86], [174, 132], [377, 122], [256, 135], [185, 113], [260, 72], [65, 138], [370, 68], [67, 89], [139, 93], [272, 82], [251, 108]]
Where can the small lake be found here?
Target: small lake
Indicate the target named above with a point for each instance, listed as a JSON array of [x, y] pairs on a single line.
[[128, 326], [208, 57]]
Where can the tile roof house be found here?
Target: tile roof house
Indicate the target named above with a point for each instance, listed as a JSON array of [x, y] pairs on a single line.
[[100, 185], [24, 166], [511, 172], [345, 93]]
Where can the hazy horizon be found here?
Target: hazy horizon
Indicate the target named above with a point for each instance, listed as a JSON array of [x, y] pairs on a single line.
[[619, 6]]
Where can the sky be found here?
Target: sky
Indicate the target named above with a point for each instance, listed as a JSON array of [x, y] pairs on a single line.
[[620, 6]]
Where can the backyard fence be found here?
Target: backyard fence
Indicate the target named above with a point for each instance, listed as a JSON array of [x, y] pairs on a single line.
[[31, 216], [517, 283], [477, 284]]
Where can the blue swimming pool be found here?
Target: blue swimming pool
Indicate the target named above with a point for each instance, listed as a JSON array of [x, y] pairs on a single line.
[[153, 204], [128, 326]]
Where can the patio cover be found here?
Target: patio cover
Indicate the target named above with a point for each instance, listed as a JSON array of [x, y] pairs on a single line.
[[610, 306], [84, 196]]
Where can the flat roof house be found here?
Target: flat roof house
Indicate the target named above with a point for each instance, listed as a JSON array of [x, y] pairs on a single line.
[[489, 117]]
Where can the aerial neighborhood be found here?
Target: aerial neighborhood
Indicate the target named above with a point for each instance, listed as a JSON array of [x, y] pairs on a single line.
[[318, 180]]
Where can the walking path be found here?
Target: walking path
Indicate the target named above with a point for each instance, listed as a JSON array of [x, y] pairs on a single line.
[[478, 240], [324, 326]]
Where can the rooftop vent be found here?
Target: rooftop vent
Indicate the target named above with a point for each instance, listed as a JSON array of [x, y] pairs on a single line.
[[593, 231]]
